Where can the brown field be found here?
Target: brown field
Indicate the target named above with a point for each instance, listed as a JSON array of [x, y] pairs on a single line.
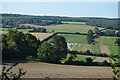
[[104, 49], [3, 32], [63, 27], [43, 70], [41, 36], [85, 47]]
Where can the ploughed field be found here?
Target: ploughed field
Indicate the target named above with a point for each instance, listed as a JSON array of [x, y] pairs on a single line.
[[46, 70]]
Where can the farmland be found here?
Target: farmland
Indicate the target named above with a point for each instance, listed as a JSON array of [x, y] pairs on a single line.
[[46, 70], [104, 45], [49, 49]]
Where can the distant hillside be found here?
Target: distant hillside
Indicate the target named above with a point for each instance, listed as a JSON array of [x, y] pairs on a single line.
[[11, 20]]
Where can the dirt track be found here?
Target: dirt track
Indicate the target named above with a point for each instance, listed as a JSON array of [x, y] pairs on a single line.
[[43, 70]]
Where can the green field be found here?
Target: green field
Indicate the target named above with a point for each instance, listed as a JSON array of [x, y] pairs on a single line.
[[22, 30], [66, 30], [77, 25], [105, 40], [78, 58], [76, 47], [72, 38], [80, 40], [110, 42], [95, 49], [114, 49], [81, 23]]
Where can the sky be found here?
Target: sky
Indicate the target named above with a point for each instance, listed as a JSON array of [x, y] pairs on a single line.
[[71, 9]]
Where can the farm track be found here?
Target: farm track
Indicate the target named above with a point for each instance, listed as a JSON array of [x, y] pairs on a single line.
[[43, 70]]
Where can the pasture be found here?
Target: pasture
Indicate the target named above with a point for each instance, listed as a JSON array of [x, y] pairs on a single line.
[[72, 38], [66, 30]]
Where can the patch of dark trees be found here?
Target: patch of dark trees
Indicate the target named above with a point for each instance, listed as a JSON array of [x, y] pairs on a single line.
[[38, 29], [12, 20], [89, 62]]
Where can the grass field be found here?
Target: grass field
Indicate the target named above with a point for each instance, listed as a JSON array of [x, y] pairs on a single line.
[[114, 49], [78, 58], [22, 30], [66, 30], [110, 42], [95, 49], [104, 40], [71, 38], [78, 23], [77, 47]]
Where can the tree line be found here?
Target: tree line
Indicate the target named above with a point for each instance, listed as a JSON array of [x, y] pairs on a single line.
[[13, 20]]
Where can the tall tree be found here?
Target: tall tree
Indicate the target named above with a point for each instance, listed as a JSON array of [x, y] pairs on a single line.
[[117, 41], [90, 37], [53, 51]]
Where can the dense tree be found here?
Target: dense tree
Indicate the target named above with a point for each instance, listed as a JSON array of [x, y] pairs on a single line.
[[96, 31], [118, 34], [60, 46], [43, 30], [17, 45], [53, 51], [46, 52], [90, 37], [109, 32], [117, 41]]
